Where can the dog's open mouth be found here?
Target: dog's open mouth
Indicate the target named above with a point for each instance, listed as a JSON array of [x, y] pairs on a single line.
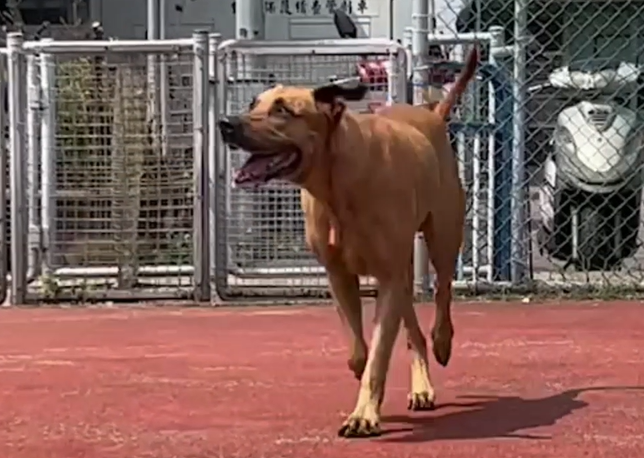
[[260, 168]]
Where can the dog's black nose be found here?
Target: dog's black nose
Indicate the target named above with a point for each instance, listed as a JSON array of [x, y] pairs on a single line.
[[230, 128]]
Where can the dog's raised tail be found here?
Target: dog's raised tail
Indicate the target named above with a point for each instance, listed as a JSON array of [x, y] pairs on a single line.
[[444, 107]]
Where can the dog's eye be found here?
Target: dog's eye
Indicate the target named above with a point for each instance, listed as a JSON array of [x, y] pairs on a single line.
[[253, 104], [281, 109]]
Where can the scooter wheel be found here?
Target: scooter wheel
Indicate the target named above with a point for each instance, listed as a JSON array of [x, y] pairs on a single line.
[[594, 251]]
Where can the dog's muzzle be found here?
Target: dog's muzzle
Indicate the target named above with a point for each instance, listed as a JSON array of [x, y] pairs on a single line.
[[231, 130]]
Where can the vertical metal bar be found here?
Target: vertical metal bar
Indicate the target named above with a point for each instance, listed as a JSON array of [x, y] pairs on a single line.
[[401, 61], [17, 101], [497, 43], [420, 81], [518, 248], [248, 20], [474, 88], [152, 72], [48, 160], [224, 255], [476, 211], [4, 236], [214, 171], [201, 236], [34, 107], [431, 16], [397, 77], [408, 36], [152, 19], [164, 93], [249, 25], [460, 157]]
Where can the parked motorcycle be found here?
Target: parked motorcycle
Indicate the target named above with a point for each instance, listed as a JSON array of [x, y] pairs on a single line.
[[591, 193]]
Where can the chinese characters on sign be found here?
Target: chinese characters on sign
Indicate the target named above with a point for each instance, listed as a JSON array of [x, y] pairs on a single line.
[[285, 7], [310, 8], [314, 7]]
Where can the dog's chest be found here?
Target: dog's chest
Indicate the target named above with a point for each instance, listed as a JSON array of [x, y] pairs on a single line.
[[368, 236], [363, 245]]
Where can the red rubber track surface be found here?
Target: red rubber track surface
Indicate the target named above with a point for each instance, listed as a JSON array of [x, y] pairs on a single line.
[[559, 380]]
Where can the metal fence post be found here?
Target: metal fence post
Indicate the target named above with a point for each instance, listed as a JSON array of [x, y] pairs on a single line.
[[153, 74], [518, 250], [34, 107], [407, 40], [497, 42], [420, 54], [164, 90], [213, 151], [48, 158], [201, 236], [4, 235], [17, 102]]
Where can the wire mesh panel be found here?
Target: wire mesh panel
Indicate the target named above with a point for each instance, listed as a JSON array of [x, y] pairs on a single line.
[[112, 186], [261, 232], [118, 199], [577, 122]]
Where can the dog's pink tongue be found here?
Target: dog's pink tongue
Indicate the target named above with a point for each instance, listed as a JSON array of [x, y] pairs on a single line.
[[253, 170]]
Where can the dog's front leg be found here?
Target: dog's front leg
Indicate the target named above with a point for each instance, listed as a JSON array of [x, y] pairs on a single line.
[[365, 419], [345, 288]]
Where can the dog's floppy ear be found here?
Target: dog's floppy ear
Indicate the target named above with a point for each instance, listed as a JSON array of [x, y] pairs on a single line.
[[331, 92]]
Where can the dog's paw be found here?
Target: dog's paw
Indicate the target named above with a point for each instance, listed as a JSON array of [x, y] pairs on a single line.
[[442, 345], [356, 427], [443, 352], [420, 401]]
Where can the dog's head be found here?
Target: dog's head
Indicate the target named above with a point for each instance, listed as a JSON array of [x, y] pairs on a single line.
[[285, 130]]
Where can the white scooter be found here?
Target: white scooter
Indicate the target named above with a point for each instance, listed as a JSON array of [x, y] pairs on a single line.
[[590, 196]]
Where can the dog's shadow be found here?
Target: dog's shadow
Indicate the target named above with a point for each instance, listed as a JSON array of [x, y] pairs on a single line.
[[486, 417]]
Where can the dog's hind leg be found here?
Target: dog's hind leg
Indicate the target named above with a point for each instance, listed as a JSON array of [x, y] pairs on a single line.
[[345, 288], [443, 244]]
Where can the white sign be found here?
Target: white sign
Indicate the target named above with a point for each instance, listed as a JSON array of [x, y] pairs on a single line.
[[314, 7]]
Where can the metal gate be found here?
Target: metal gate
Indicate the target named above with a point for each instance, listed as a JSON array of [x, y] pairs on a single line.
[[99, 209], [260, 249]]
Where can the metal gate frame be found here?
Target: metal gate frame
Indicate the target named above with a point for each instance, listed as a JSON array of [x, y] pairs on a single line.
[[278, 281], [27, 268], [5, 234]]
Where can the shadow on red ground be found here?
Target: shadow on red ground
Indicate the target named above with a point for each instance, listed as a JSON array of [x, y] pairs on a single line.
[[550, 380]]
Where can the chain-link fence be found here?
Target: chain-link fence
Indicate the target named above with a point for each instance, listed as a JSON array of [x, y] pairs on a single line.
[[577, 134], [118, 202]]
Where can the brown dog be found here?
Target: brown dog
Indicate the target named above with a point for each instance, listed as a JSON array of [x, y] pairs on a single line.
[[369, 183]]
